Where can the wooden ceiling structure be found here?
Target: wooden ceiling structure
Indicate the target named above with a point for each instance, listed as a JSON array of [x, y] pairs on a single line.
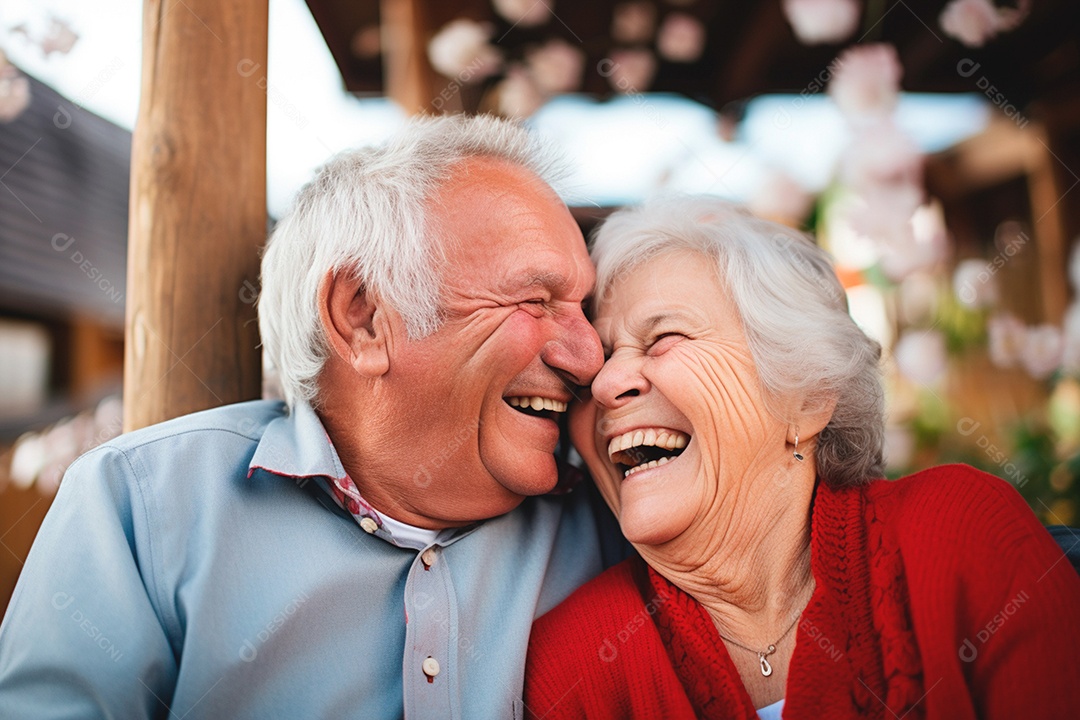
[[750, 48]]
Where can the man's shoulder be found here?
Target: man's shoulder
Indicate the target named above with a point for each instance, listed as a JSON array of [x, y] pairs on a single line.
[[246, 420], [223, 437]]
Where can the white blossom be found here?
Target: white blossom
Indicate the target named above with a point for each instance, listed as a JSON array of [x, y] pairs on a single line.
[[461, 50], [818, 22], [866, 81], [1041, 353], [920, 356]]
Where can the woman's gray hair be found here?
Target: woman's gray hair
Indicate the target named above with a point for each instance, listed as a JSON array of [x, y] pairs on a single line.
[[365, 213], [792, 307]]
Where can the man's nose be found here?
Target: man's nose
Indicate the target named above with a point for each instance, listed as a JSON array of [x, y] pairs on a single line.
[[576, 348]]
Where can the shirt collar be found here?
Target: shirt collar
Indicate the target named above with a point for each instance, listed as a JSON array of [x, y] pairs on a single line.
[[297, 446]]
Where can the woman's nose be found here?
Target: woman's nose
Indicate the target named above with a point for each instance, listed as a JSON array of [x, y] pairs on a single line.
[[618, 381]]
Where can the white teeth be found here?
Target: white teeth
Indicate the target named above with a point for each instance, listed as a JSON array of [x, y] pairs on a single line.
[[646, 466], [537, 403], [658, 437]]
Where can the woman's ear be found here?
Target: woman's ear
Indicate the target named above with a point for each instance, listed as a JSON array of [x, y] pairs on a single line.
[[355, 324], [813, 415]]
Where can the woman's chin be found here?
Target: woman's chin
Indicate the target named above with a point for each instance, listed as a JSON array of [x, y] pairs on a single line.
[[649, 523]]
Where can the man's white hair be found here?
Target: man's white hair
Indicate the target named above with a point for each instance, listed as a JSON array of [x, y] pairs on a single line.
[[365, 213], [793, 311]]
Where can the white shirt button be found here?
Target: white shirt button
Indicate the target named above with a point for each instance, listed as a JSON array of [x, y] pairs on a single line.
[[428, 557], [368, 525], [430, 667]]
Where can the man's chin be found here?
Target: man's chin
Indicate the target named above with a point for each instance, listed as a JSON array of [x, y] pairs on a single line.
[[532, 473]]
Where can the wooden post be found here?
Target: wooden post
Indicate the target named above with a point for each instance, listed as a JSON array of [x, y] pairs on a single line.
[[198, 209], [409, 78]]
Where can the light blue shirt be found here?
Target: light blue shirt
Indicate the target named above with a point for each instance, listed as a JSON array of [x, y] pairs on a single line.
[[198, 568]]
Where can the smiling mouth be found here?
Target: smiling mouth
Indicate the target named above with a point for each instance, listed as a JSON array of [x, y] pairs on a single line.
[[536, 406], [643, 449]]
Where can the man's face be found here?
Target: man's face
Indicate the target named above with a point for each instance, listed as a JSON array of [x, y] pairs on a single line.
[[479, 400]]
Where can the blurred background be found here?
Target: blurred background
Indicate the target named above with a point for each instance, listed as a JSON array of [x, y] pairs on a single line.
[[932, 147]]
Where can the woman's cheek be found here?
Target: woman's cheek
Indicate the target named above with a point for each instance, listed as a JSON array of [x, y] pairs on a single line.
[[583, 426]]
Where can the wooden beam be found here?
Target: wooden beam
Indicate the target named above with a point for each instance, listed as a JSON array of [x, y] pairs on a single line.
[[408, 74], [198, 209], [1048, 188]]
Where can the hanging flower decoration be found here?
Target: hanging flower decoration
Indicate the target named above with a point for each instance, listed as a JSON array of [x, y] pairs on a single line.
[[818, 22], [975, 22], [866, 82], [884, 210]]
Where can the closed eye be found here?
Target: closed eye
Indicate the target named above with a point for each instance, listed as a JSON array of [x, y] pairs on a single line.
[[663, 342]]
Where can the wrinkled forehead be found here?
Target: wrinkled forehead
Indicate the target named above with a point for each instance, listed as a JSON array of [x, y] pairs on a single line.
[[493, 215]]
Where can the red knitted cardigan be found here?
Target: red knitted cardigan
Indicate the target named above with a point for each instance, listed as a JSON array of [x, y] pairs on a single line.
[[937, 596]]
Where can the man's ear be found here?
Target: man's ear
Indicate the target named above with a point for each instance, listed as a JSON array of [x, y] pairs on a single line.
[[355, 324]]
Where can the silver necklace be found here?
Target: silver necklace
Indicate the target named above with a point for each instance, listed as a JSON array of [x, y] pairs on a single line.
[[763, 655]]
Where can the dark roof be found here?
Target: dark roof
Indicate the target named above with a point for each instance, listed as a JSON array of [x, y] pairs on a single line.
[[63, 211]]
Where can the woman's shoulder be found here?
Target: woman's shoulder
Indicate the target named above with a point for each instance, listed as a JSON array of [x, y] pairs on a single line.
[[598, 607], [943, 488], [597, 651], [954, 506]]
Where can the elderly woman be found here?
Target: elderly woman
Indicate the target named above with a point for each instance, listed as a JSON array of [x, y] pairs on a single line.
[[736, 432]]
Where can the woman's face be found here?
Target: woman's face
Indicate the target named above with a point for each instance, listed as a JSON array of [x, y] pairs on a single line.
[[677, 417]]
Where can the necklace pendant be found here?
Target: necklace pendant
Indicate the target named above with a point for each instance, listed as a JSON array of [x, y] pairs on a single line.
[[766, 668]]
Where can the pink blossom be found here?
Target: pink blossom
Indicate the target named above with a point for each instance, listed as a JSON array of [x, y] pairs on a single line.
[[59, 39], [518, 95], [556, 66], [781, 199], [974, 284], [882, 154], [920, 356], [526, 13], [1042, 351], [630, 71], [633, 22], [974, 22], [1007, 336], [681, 38], [1070, 354], [818, 22], [866, 81]]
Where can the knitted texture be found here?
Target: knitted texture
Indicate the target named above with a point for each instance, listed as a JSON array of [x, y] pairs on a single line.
[[937, 596]]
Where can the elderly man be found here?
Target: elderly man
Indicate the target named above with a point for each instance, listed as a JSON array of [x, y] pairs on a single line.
[[380, 546]]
